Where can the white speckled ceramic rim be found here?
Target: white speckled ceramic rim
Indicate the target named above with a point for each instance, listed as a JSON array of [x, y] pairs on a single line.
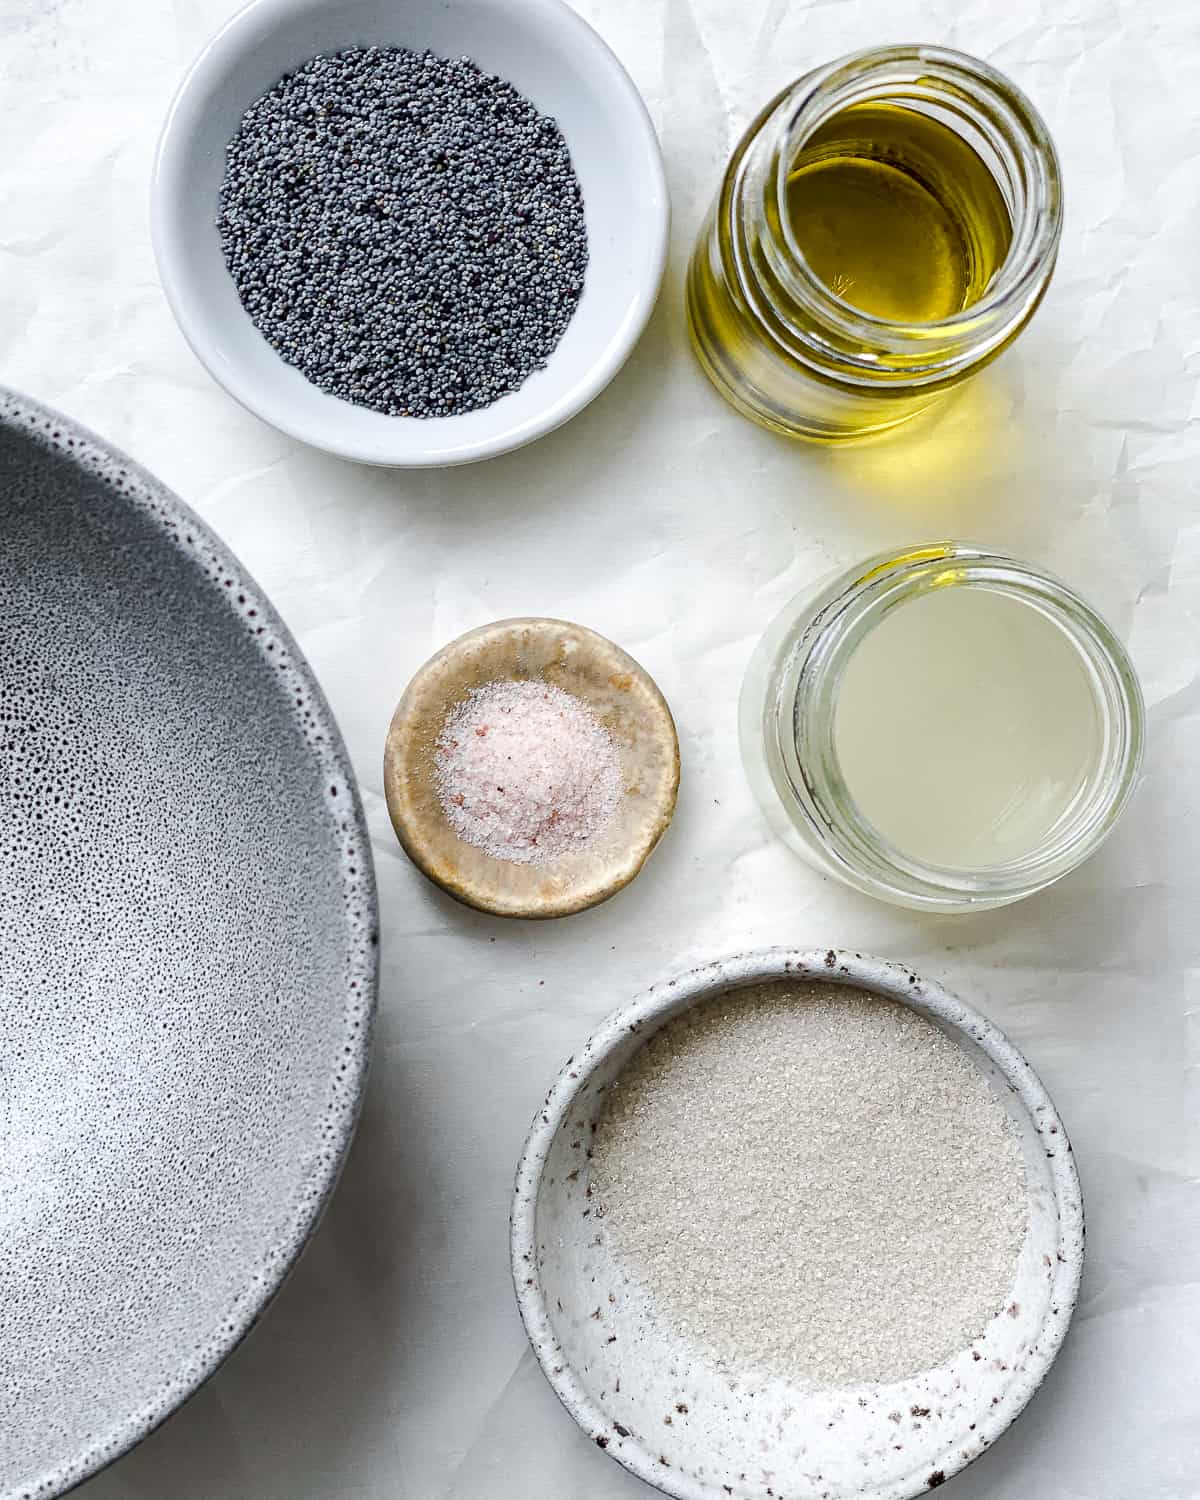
[[668, 998]]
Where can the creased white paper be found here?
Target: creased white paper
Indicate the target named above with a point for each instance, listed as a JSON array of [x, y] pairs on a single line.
[[393, 1364]]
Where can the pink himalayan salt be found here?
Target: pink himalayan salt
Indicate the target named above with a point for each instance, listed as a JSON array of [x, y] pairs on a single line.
[[526, 772]]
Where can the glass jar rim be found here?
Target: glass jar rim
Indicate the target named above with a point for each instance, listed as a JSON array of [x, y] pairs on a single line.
[[1014, 122], [866, 857]]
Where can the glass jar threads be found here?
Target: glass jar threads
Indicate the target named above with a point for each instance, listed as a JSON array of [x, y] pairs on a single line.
[[885, 227], [945, 728]]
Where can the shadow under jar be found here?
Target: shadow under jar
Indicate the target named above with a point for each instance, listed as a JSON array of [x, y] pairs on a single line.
[[885, 227], [944, 728]]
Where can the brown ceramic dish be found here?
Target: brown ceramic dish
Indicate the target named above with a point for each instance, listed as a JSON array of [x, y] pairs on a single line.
[[621, 695]]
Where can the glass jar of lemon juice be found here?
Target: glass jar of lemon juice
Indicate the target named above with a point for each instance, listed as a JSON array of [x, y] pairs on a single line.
[[886, 226], [945, 728]]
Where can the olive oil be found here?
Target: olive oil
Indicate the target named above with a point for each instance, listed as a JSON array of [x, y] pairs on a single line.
[[897, 214], [884, 229]]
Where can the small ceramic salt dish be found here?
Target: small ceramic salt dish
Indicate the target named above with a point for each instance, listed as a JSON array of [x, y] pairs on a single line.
[[659, 1403], [545, 50], [620, 695]]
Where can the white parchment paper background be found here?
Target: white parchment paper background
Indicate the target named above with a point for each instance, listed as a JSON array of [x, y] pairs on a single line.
[[393, 1363]]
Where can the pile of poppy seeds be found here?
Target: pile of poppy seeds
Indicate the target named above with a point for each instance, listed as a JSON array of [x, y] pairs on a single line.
[[405, 229]]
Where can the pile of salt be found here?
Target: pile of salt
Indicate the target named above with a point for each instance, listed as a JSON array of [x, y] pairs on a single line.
[[526, 772]]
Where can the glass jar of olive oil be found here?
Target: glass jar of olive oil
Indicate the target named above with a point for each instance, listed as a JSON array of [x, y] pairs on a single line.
[[886, 226]]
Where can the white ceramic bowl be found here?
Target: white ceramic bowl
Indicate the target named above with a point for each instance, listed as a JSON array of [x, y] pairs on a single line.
[[619, 1376], [559, 63]]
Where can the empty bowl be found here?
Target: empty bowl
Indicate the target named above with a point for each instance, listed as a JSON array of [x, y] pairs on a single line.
[[559, 63], [187, 952], [658, 1402]]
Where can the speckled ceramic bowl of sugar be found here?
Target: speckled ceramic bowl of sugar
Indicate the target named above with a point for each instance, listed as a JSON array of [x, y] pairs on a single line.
[[765, 1437], [187, 952]]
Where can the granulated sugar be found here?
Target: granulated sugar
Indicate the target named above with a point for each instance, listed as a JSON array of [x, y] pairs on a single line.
[[526, 772], [812, 1181]]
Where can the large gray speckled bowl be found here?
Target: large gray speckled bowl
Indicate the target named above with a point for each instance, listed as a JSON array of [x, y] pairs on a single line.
[[187, 952]]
